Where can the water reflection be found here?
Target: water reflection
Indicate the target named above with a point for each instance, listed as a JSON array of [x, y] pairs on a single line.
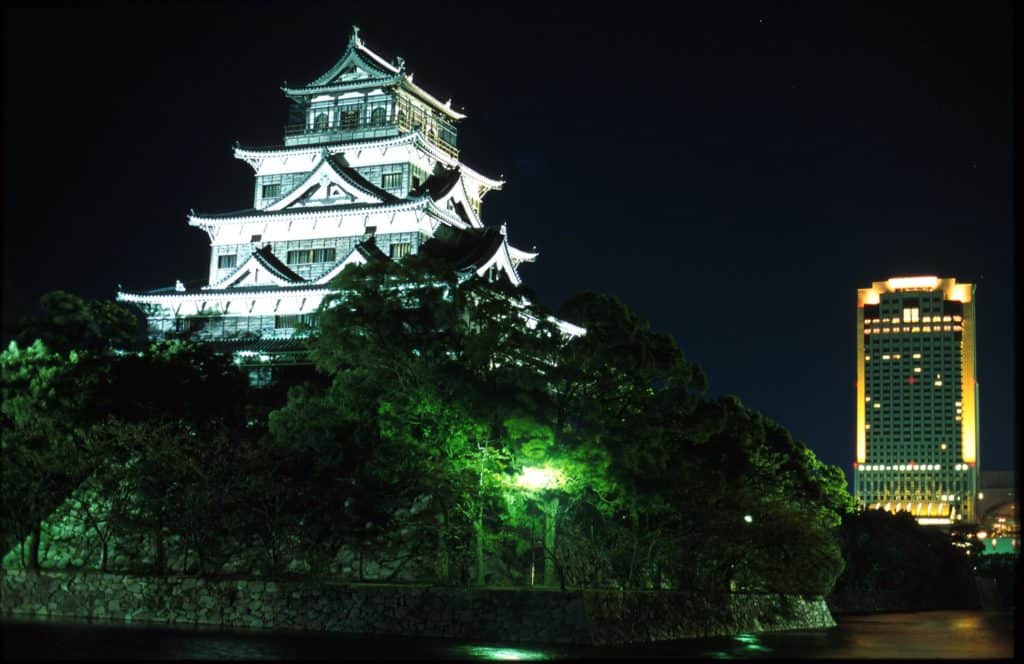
[[744, 645], [930, 635], [501, 654], [927, 635]]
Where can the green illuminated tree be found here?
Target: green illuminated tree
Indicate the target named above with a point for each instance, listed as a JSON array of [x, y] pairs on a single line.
[[45, 401], [669, 475], [441, 396], [424, 372], [54, 384], [614, 390], [391, 423]]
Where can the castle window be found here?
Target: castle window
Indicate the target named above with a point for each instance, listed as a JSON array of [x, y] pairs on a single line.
[[349, 118], [320, 122], [401, 249], [300, 256], [229, 260], [324, 255], [255, 238], [271, 190], [391, 180], [378, 116], [293, 321]]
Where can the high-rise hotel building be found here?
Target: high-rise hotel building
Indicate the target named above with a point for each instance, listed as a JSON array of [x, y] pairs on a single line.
[[917, 399]]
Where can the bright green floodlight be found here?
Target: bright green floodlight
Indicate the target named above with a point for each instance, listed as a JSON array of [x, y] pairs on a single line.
[[539, 478]]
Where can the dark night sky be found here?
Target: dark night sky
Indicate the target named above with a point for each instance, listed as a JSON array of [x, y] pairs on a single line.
[[733, 171]]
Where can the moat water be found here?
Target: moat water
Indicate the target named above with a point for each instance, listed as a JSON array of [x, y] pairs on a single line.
[[922, 635]]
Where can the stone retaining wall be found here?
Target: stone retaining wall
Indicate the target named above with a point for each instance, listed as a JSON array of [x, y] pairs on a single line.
[[582, 616]]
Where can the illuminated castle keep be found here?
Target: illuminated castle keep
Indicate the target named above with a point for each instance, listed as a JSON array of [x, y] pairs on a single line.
[[917, 399], [369, 170]]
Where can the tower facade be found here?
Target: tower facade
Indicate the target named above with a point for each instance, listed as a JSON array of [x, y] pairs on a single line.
[[917, 399], [368, 170]]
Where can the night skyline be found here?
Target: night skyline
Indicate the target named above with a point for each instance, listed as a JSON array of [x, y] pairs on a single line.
[[711, 169]]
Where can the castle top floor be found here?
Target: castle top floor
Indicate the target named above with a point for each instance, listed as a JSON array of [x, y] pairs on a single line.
[[363, 96]]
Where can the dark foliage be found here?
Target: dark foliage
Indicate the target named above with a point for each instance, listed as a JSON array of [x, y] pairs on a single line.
[[902, 565]]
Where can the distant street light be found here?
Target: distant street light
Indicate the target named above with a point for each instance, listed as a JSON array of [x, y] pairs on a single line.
[[748, 518]]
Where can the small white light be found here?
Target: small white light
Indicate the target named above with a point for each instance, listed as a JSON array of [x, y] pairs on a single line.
[[748, 518]]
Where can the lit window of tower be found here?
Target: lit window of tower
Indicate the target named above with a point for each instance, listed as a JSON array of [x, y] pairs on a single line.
[[917, 412]]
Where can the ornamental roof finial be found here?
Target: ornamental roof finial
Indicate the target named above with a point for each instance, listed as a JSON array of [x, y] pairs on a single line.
[[504, 228], [400, 63], [355, 36]]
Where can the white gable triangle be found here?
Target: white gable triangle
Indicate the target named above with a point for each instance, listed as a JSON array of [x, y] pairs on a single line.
[[356, 66], [251, 273], [501, 260], [458, 195], [354, 258], [326, 185]]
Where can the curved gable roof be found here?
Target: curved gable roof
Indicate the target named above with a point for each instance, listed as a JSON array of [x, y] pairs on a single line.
[[471, 250], [378, 72], [356, 55], [448, 185], [246, 274], [354, 186], [265, 257]]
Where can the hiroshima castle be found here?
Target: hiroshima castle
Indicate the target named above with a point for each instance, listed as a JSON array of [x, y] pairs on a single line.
[[369, 170]]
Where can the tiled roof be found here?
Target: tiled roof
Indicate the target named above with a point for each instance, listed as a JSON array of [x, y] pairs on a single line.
[[464, 249], [274, 265], [254, 212], [438, 184], [231, 292], [355, 178], [347, 143], [369, 250], [306, 90], [414, 135]]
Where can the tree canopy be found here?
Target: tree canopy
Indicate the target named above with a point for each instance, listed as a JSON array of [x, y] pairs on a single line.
[[456, 434]]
